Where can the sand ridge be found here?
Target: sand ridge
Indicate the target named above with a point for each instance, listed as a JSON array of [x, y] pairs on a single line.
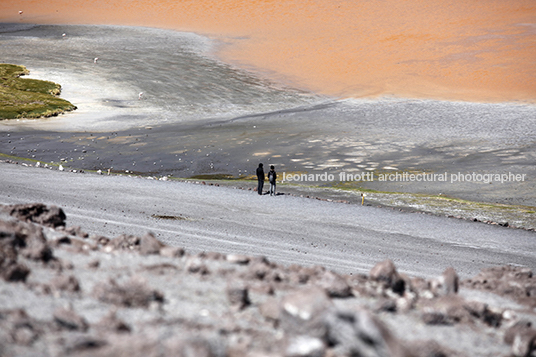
[[419, 49]]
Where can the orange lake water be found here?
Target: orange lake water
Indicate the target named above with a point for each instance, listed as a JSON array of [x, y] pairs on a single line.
[[482, 51]]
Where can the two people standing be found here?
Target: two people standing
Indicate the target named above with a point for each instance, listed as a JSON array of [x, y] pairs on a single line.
[[272, 177]]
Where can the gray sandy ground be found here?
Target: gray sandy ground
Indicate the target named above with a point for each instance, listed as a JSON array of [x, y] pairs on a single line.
[[202, 117], [286, 229]]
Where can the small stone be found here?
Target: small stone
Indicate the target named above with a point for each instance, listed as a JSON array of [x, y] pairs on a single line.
[[65, 283], [359, 333], [302, 312], [15, 272], [66, 318], [76, 231], [238, 295], [24, 335], [94, 264], [524, 344], [237, 259], [270, 309], [50, 216], [149, 245], [385, 271], [520, 327], [124, 242], [334, 284], [172, 252], [196, 265], [305, 346], [133, 293], [112, 323], [446, 284], [194, 347], [80, 344]]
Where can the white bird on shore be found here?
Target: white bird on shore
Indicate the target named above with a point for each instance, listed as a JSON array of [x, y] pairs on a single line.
[[140, 96], [96, 59], [63, 35]]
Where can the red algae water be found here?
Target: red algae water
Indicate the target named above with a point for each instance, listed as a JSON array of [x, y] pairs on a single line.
[[482, 51]]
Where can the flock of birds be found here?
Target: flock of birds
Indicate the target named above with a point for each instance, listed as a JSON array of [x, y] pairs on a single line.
[[95, 60]]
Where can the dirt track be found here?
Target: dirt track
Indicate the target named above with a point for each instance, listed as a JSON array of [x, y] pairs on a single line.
[[286, 229]]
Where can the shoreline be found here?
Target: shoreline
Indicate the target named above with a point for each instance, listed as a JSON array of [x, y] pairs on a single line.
[[508, 216], [185, 129]]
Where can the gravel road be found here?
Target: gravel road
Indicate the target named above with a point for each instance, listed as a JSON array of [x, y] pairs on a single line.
[[286, 229]]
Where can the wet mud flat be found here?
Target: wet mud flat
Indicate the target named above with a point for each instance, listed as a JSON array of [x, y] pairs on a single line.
[[301, 142], [199, 116]]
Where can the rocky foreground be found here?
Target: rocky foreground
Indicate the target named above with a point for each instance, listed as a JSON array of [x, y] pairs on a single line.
[[64, 292]]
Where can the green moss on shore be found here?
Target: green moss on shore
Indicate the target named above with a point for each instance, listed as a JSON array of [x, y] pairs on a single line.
[[28, 98]]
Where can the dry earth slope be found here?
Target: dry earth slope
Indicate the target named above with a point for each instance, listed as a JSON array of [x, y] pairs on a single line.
[[63, 292]]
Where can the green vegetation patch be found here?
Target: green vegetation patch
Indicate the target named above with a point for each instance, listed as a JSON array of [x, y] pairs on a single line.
[[28, 98]]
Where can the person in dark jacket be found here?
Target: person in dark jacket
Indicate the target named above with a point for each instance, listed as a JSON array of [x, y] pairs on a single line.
[[260, 179], [272, 177]]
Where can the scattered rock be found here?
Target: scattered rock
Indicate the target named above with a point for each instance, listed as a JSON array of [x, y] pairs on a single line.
[[22, 329], [305, 346], [386, 272], [452, 309], [172, 252], [334, 284], [524, 344], [123, 242], [211, 255], [24, 335], [361, 334], [237, 294], [38, 213], [67, 318], [303, 312], [517, 283], [482, 312], [193, 347], [446, 284], [65, 283], [24, 239], [93, 264], [429, 349], [270, 310], [76, 231], [133, 293], [82, 343], [522, 337], [15, 272], [111, 323], [518, 328], [150, 245], [291, 310], [237, 259], [196, 265]]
